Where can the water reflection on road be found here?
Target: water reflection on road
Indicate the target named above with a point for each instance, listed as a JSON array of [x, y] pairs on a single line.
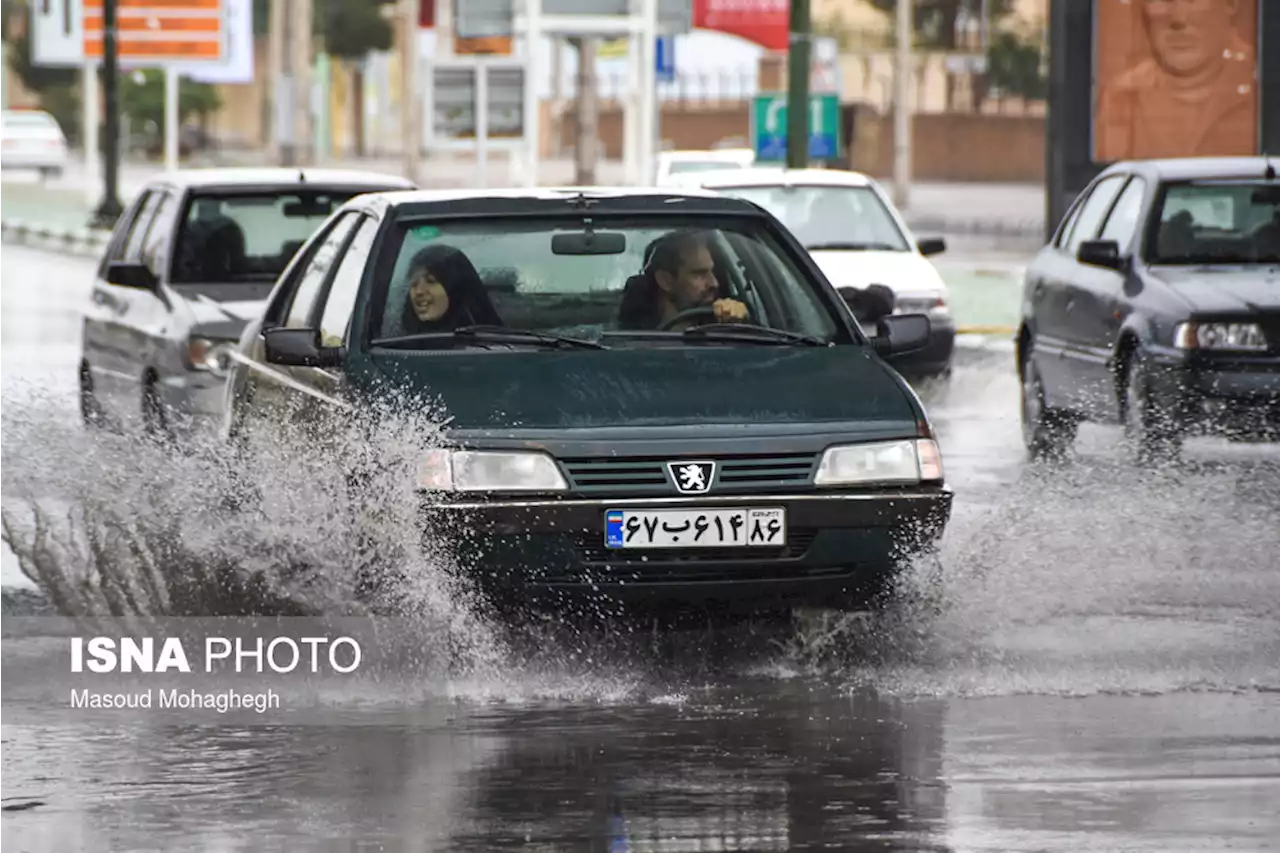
[[1105, 675]]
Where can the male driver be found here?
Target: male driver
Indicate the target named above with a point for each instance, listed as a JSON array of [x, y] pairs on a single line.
[[1195, 96], [679, 278]]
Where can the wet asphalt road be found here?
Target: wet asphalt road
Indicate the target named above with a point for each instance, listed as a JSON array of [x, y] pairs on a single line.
[[1104, 676]]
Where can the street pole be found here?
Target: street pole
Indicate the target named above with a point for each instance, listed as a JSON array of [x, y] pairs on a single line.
[[902, 107], [172, 81], [109, 209], [412, 121], [588, 113], [798, 86], [286, 92]]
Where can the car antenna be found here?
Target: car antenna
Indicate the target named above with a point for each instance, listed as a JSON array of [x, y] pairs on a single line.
[[1270, 174], [581, 200], [302, 177]]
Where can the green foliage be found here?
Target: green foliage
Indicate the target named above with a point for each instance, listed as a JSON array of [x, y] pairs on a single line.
[[143, 101], [1015, 66], [935, 20], [352, 28]]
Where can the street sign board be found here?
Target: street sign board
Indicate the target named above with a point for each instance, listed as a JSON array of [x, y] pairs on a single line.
[[455, 102], [769, 127], [159, 31], [666, 59], [480, 18]]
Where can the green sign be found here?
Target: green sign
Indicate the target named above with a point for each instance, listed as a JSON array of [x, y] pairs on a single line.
[[769, 127]]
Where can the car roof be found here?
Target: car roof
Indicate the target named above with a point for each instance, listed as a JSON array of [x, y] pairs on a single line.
[[1194, 168], [639, 199], [778, 176], [726, 154], [279, 176]]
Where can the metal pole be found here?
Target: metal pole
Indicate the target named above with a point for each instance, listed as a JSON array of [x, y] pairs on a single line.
[[902, 107], [648, 93], [482, 123], [798, 86], [109, 209], [286, 91], [171, 106], [588, 113], [411, 122], [92, 115], [532, 107]]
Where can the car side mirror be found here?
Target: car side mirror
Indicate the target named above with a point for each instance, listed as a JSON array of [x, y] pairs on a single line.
[[1100, 253], [299, 348], [931, 246], [869, 304], [902, 333], [135, 275]]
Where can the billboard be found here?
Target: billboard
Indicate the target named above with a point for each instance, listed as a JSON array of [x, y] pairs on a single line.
[[1174, 78]]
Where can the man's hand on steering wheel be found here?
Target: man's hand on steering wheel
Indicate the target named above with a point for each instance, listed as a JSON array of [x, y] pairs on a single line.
[[720, 311]]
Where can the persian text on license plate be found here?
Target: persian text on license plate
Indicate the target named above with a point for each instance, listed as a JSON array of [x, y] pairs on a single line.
[[696, 528]]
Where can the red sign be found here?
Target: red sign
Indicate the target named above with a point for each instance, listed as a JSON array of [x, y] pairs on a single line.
[[427, 14], [765, 22]]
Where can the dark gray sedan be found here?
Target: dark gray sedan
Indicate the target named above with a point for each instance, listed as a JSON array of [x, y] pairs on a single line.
[[191, 259]]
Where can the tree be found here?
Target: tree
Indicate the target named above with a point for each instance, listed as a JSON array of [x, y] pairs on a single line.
[[142, 99], [351, 29], [935, 20], [1014, 65]]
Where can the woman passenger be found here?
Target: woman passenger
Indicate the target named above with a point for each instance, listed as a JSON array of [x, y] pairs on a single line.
[[445, 292]]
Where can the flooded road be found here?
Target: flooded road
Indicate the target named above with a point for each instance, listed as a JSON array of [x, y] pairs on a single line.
[[1104, 675]]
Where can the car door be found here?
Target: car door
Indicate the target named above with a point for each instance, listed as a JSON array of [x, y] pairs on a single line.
[[1094, 296], [108, 340], [265, 392], [159, 345], [1057, 342]]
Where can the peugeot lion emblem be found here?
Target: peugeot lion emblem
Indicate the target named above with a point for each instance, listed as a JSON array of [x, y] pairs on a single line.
[[691, 478]]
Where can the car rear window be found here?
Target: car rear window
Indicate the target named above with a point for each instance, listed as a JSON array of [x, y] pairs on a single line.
[[1224, 222], [530, 286], [227, 237], [828, 215]]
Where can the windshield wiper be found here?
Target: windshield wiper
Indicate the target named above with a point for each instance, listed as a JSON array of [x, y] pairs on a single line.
[[740, 332], [853, 247], [491, 335]]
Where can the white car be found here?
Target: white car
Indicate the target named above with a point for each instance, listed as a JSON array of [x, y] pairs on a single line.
[[32, 139], [674, 167], [858, 238]]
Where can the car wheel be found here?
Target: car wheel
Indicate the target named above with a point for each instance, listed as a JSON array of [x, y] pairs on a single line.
[[1047, 433], [1153, 431], [91, 414], [155, 422]]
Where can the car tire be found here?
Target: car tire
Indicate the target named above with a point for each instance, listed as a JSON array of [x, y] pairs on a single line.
[[91, 414], [1047, 433], [1152, 431], [155, 422]]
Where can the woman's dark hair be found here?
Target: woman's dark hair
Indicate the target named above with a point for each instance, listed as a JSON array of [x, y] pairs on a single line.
[[468, 300]]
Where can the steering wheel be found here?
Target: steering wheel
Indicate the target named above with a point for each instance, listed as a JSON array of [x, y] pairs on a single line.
[[688, 313]]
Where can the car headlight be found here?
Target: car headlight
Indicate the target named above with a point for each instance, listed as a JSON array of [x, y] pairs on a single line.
[[1220, 336], [935, 307], [489, 471], [207, 355], [915, 460]]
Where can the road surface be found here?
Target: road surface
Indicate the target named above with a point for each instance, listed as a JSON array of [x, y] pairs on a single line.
[[1104, 675]]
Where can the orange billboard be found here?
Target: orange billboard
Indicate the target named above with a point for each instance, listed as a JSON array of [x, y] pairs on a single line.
[[1175, 78], [159, 30]]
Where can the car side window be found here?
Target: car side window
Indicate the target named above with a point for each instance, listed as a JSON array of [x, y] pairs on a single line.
[[133, 242], [1122, 223], [155, 246], [1092, 211], [316, 271], [345, 287]]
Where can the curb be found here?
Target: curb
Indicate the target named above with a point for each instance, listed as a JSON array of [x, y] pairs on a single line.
[[84, 242], [1031, 230]]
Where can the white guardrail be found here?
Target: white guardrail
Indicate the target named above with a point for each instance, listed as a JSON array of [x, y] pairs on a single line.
[[85, 242]]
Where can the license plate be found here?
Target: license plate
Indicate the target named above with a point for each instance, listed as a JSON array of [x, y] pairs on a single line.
[[764, 527]]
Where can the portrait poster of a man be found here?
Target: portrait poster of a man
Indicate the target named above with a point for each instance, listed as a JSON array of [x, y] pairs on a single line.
[[1175, 78]]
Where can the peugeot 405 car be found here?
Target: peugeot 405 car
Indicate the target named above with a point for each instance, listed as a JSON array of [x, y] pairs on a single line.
[[1157, 306], [650, 395]]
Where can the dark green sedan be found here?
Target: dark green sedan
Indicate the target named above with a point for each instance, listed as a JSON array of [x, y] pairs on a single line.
[[651, 396]]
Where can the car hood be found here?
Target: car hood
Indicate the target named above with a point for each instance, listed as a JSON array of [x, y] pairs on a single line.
[[902, 272], [632, 387], [1224, 290]]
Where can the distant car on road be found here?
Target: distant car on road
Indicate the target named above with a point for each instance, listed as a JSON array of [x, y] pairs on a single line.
[[858, 238], [675, 165], [1157, 305], [32, 139], [187, 264], [610, 432]]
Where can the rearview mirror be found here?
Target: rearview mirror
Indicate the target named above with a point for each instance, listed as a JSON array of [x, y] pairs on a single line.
[[903, 333], [299, 348], [133, 275], [931, 246], [1100, 253], [589, 243]]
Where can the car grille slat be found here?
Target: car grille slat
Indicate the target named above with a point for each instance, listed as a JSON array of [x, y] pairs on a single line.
[[648, 475], [592, 552]]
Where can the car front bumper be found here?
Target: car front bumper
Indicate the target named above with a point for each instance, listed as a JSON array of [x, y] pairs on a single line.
[[934, 359], [840, 548], [1234, 395]]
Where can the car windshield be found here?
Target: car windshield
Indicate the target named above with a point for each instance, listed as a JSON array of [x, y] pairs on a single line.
[[1235, 222], [853, 217], [550, 277], [249, 236]]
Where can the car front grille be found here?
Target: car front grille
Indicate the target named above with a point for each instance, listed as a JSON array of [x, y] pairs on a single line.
[[592, 551], [637, 476]]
